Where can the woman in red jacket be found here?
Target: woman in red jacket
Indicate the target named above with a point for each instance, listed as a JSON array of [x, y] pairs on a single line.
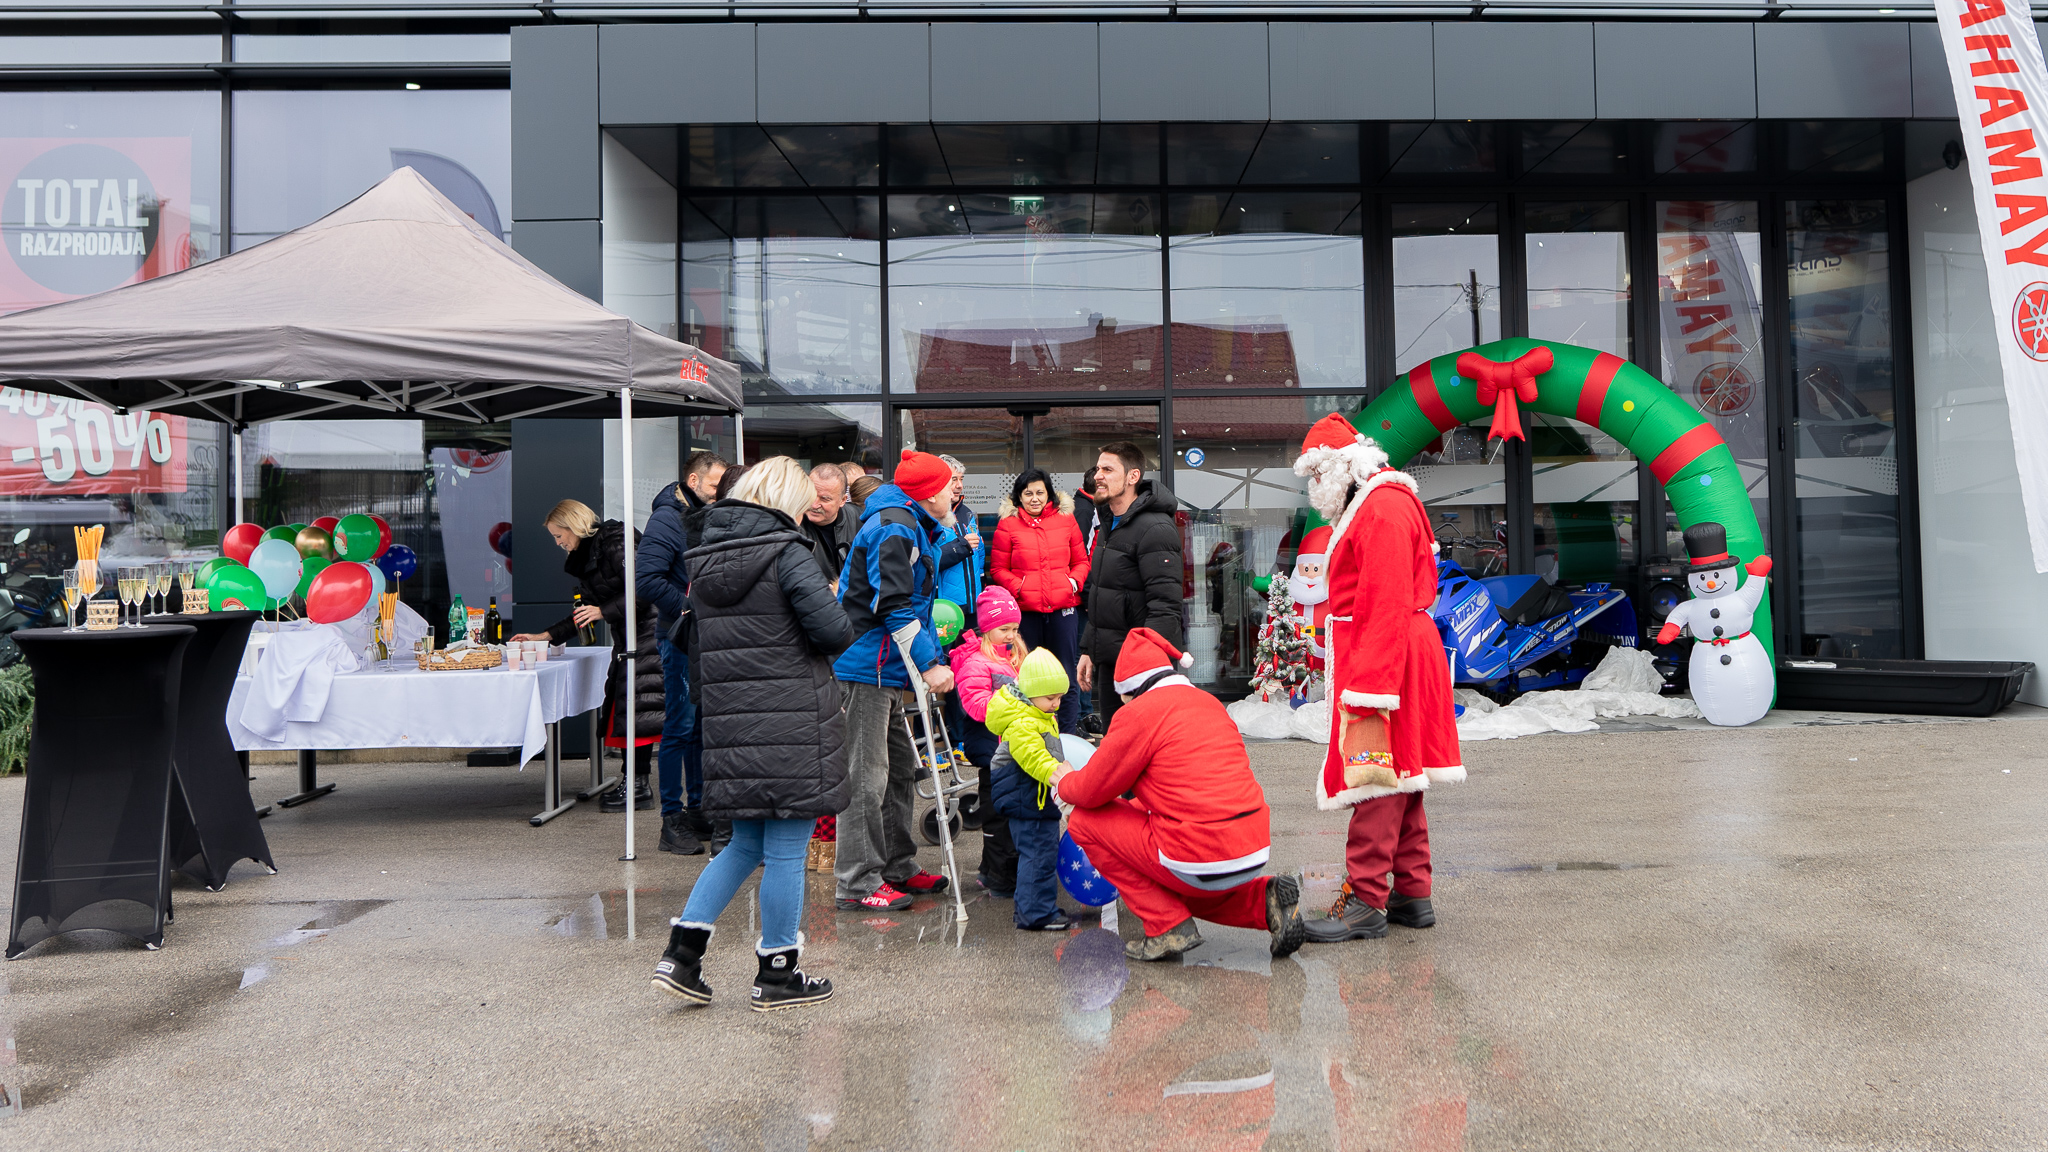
[[1038, 557]]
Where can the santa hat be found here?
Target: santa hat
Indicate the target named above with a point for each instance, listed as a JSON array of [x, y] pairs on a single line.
[[922, 475], [1334, 456], [1145, 655], [1316, 543]]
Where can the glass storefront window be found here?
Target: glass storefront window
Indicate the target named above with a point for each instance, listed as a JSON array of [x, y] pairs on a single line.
[[788, 288], [1813, 146], [1577, 256], [1711, 328], [1574, 147], [745, 156], [1268, 291], [101, 189], [267, 48], [1705, 146], [1025, 292], [1442, 148], [1838, 269], [1295, 153], [811, 434], [300, 155], [1446, 279], [1013, 154]]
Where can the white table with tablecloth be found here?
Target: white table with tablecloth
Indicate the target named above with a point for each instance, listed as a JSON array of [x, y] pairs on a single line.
[[393, 704]]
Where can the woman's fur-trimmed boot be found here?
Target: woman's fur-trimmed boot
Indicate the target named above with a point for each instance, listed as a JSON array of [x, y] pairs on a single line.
[[681, 970], [781, 984]]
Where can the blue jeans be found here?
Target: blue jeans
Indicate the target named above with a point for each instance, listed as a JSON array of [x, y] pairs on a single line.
[[682, 750], [1038, 864], [780, 844]]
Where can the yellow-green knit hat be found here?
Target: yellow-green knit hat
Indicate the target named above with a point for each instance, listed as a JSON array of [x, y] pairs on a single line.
[[1042, 675]]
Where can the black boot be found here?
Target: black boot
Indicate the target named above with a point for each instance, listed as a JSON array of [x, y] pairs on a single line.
[[677, 837], [1410, 911], [721, 835], [680, 972], [700, 826], [781, 984], [1283, 915], [1358, 921]]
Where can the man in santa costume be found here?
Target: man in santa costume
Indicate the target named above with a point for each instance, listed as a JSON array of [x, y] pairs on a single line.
[[1392, 726], [1196, 834]]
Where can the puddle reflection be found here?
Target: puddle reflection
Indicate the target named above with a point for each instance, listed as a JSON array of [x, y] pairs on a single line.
[[331, 915]]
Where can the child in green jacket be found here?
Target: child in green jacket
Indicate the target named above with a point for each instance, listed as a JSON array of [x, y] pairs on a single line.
[[1025, 717]]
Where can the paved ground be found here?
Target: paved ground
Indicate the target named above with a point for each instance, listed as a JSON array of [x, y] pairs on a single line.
[[1821, 937]]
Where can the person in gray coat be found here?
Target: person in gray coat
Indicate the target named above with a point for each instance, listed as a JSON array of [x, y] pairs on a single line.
[[773, 728]]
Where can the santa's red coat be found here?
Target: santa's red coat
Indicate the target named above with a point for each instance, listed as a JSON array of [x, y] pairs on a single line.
[[1384, 648], [1183, 760]]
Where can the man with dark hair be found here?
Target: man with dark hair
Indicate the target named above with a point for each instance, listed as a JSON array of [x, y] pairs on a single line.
[[1135, 568], [663, 583], [829, 524]]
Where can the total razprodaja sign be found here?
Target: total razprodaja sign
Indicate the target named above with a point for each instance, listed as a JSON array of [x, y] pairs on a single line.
[[82, 216]]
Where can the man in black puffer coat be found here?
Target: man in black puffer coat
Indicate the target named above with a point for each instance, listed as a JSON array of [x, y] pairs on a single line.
[[664, 584], [1135, 573]]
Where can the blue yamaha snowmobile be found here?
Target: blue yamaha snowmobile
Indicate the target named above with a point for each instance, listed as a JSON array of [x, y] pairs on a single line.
[[1506, 635]]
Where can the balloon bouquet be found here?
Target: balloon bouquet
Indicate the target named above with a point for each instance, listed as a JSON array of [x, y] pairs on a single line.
[[337, 566]]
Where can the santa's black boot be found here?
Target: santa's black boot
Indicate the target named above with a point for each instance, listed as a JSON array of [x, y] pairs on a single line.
[[1410, 911], [1357, 921], [1283, 915], [781, 984], [681, 970]]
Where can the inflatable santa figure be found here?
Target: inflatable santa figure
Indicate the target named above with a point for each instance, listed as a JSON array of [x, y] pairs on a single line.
[[1393, 730], [1309, 588], [1730, 672]]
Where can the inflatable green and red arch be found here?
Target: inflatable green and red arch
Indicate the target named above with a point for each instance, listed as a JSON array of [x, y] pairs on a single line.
[[1682, 449]]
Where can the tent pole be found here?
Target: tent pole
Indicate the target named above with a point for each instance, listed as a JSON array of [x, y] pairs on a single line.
[[237, 433], [627, 782], [739, 438]]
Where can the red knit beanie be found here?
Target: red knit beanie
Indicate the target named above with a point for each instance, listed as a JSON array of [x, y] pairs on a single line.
[[922, 475]]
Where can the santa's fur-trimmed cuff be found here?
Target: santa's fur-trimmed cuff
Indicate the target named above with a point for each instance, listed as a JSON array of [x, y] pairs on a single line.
[[1455, 774], [1385, 700], [1352, 797]]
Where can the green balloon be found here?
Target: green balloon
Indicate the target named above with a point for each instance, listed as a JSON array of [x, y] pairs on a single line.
[[207, 570], [237, 584], [284, 532], [310, 567], [356, 537], [947, 620]]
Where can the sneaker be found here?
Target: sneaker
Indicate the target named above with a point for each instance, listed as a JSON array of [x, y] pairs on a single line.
[[1283, 915], [923, 884], [677, 837], [1180, 938], [1057, 922], [989, 887], [781, 984], [1410, 911], [680, 972], [883, 899], [614, 800], [1357, 921]]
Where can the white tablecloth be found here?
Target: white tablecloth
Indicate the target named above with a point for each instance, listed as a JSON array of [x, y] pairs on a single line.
[[395, 705]]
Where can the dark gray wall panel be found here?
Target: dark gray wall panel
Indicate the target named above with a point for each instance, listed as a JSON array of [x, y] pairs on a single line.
[[1830, 70], [1030, 73], [1520, 71], [1677, 71], [571, 251], [1184, 72], [675, 74], [1934, 95], [843, 73], [557, 460], [1352, 72], [554, 123]]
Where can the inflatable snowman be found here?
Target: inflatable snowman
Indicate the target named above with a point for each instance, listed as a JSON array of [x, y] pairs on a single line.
[[1730, 670]]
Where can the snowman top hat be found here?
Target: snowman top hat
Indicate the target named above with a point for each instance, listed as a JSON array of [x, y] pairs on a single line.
[[1707, 544]]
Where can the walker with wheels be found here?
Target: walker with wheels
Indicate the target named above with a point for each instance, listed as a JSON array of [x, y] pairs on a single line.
[[948, 770]]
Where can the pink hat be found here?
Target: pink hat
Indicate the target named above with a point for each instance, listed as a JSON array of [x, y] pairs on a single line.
[[995, 607]]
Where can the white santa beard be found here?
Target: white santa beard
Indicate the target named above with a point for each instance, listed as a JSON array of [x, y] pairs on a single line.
[[1304, 592]]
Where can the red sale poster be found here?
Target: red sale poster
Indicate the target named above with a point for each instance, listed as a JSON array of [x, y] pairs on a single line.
[[64, 446], [80, 216]]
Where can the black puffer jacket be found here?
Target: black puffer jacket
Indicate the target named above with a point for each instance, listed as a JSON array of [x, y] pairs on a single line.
[[767, 628], [1135, 572], [599, 566]]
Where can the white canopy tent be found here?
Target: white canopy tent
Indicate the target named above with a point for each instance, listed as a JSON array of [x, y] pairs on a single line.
[[395, 305]]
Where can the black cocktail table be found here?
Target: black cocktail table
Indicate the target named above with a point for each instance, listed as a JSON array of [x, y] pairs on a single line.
[[212, 821], [93, 814]]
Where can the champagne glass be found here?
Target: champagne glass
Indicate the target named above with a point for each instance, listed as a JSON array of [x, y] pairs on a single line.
[[138, 579], [188, 574], [71, 597], [164, 571], [124, 590], [88, 580]]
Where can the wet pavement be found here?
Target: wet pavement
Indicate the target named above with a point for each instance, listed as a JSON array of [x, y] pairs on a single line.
[[1806, 937]]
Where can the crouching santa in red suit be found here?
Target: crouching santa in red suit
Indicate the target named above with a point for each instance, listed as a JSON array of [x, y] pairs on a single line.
[[1393, 730], [1194, 838]]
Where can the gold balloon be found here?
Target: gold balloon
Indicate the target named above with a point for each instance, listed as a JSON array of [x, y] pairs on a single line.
[[313, 541]]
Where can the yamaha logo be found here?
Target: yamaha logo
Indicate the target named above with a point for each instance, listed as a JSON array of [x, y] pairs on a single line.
[[2030, 320]]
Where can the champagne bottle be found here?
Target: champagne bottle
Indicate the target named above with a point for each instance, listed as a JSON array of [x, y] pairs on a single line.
[[494, 624], [458, 621], [585, 634]]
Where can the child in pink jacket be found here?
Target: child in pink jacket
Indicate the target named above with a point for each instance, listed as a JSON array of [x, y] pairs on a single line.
[[982, 664]]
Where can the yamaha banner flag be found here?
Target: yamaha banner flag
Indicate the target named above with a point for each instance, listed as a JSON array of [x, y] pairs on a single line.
[[1994, 61]]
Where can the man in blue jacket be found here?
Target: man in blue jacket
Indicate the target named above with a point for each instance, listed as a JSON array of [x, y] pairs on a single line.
[[887, 587], [663, 582]]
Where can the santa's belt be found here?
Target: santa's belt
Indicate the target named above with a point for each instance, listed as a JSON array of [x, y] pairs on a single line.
[[1724, 641]]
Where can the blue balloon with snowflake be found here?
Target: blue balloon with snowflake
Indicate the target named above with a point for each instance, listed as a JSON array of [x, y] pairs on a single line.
[[1080, 878]]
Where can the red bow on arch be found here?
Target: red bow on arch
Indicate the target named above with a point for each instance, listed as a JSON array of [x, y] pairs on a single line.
[[1501, 384]]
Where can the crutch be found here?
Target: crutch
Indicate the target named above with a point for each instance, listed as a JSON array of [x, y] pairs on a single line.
[[932, 760]]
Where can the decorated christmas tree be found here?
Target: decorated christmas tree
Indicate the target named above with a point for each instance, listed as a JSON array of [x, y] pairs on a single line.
[[1283, 653]]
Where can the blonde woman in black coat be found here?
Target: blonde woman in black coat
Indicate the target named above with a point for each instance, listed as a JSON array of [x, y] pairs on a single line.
[[774, 732]]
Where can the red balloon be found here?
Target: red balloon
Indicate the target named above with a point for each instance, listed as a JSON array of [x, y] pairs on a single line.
[[338, 593], [383, 535], [326, 524], [241, 540]]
